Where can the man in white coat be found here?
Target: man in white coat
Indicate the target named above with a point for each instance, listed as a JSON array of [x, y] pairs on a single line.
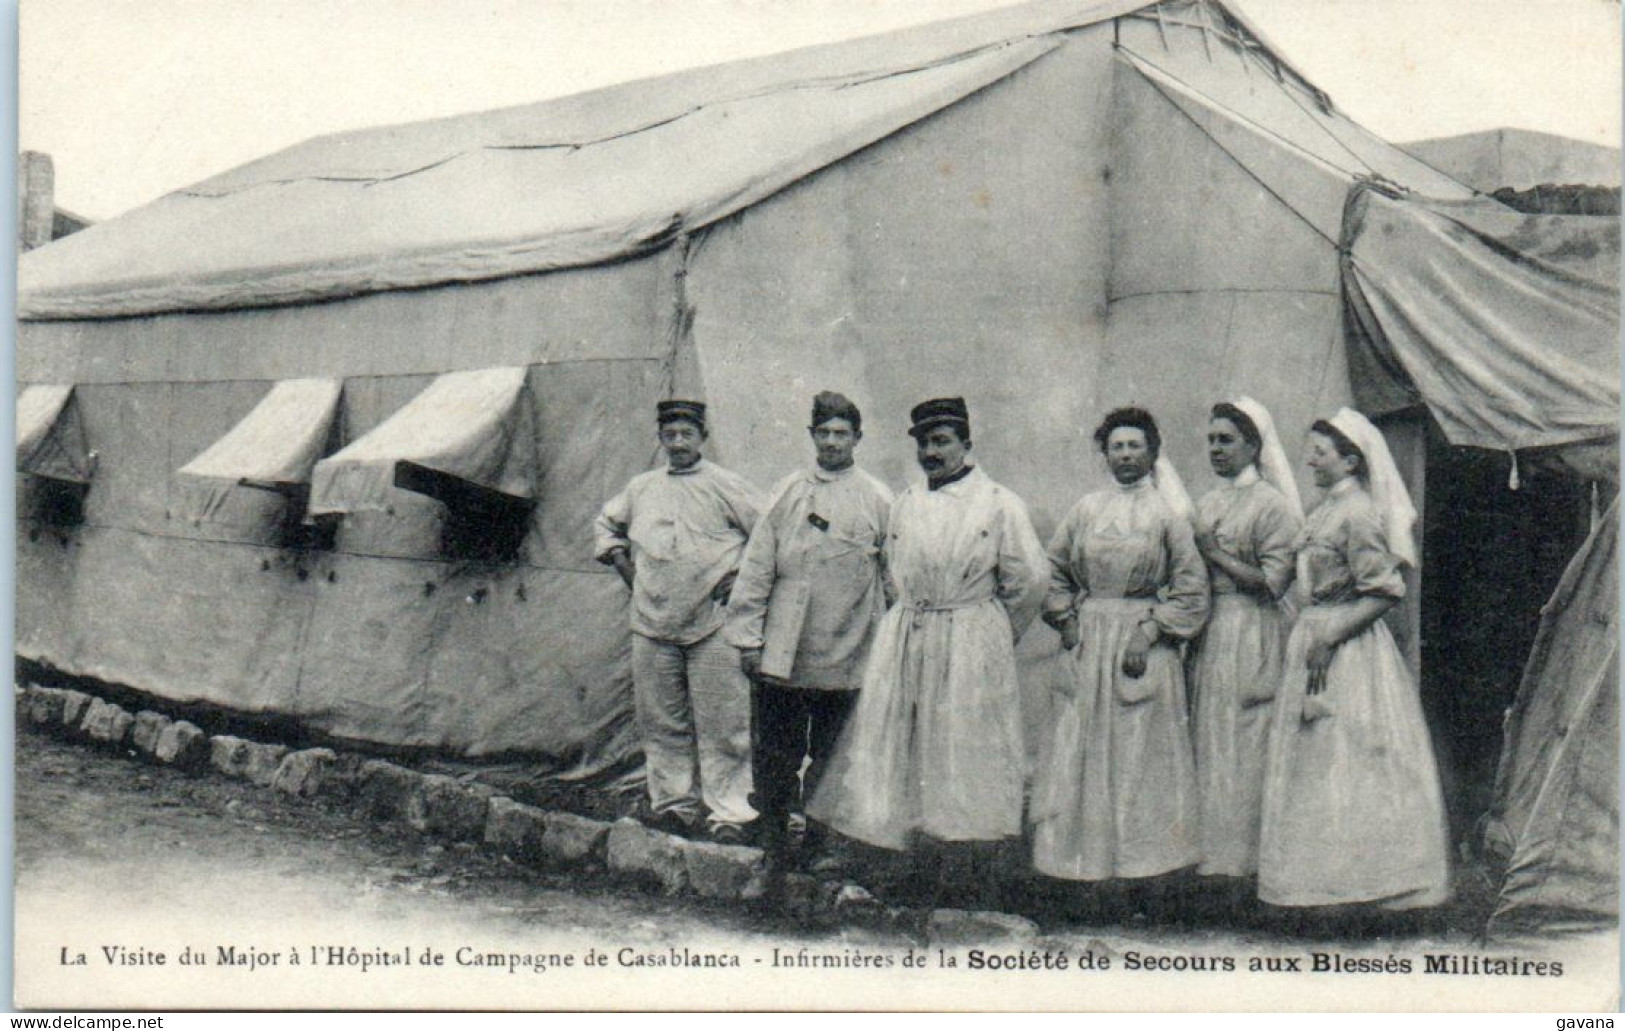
[[676, 536], [933, 754], [803, 614]]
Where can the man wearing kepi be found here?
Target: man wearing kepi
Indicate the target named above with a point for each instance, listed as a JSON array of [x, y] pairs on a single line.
[[676, 536], [933, 752], [803, 614]]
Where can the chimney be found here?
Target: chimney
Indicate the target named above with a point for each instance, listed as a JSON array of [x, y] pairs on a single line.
[[36, 199]]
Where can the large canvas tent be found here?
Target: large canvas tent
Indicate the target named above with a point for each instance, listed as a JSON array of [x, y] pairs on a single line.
[[1052, 209]]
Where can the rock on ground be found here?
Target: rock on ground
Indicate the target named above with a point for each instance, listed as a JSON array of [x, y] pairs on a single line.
[[184, 745], [74, 706], [106, 723], [383, 789], [304, 774], [148, 727], [966, 927], [725, 871], [43, 705], [245, 760], [572, 839], [448, 808], [638, 853], [515, 829]]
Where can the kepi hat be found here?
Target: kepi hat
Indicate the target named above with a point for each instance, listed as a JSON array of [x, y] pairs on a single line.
[[673, 410], [939, 411]]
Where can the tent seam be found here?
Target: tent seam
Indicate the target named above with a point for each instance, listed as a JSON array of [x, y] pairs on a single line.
[[374, 556], [1220, 290], [336, 375], [833, 84]]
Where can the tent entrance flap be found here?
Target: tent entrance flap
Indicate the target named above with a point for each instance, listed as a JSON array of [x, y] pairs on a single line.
[[51, 436], [1505, 325], [467, 441], [1555, 818]]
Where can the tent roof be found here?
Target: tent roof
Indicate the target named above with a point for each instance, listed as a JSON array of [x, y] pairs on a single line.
[[1520, 159], [574, 181]]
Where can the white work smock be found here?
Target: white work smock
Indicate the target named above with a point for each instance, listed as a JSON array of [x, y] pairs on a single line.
[[822, 533], [685, 530]]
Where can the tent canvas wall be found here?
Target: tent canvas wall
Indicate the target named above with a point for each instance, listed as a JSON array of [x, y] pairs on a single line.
[[1053, 209]]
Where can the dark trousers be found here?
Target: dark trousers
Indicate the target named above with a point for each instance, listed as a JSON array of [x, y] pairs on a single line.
[[788, 725]]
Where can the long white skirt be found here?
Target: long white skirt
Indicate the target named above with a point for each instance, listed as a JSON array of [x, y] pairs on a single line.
[[934, 743], [1235, 673], [1352, 807], [1117, 795]]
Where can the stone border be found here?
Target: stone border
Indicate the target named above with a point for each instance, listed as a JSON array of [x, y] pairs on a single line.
[[461, 810]]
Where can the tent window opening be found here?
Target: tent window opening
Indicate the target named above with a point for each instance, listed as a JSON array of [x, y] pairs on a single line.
[[273, 449], [52, 452], [57, 503], [468, 442]]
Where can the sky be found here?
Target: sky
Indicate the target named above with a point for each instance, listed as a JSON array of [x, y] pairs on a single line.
[[135, 98]]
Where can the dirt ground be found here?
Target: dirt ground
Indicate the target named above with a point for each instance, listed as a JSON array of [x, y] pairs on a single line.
[[114, 852], [82, 813]]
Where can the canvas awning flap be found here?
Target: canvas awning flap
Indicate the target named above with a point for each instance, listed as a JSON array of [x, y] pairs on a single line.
[[277, 444], [50, 435], [1505, 325], [274, 447], [469, 435]]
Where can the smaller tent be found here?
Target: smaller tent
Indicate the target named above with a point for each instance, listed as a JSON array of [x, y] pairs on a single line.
[[1555, 822], [1518, 159]]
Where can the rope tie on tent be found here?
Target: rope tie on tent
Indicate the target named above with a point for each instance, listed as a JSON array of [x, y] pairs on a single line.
[[1513, 483], [1325, 110], [1362, 185]]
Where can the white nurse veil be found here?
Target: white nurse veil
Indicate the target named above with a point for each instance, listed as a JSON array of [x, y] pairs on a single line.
[[1272, 461], [1387, 489], [1172, 488]]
